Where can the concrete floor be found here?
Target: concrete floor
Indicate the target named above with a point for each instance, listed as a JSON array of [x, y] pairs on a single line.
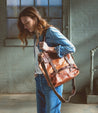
[[26, 103]]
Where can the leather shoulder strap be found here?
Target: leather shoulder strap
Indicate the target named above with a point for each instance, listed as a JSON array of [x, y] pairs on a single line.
[[44, 33]]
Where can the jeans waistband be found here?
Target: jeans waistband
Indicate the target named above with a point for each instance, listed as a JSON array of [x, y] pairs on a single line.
[[36, 74]]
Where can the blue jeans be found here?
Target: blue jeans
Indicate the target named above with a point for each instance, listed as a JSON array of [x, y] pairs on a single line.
[[47, 101]]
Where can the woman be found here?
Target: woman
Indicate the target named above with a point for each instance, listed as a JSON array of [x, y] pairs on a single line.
[[31, 23]]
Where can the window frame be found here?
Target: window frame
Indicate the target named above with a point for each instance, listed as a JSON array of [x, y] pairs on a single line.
[[48, 18]]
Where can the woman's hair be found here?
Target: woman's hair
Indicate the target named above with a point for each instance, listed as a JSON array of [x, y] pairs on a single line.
[[41, 26]]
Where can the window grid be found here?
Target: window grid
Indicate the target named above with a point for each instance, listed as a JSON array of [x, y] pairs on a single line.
[[20, 7], [46, 17]]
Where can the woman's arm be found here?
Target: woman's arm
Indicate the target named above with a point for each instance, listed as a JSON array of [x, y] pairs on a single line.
[[56, 42], [62, 45]]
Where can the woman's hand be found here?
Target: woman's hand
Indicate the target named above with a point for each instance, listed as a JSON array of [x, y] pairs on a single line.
[[45, 47]]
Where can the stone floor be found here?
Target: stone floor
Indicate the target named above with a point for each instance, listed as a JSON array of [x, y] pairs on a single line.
[[26, 103]]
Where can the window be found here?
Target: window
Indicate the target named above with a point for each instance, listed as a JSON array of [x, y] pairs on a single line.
[[51, 10]]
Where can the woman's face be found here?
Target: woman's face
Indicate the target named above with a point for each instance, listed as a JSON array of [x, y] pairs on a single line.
[[28, 23]]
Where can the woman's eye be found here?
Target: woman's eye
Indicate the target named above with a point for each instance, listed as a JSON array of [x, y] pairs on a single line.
[[26, 23]]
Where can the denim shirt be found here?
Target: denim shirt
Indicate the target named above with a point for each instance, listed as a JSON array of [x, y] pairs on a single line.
[[54, 38]]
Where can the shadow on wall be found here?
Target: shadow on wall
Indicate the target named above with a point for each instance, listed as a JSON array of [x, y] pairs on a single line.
[[83, 49], [82, 58]]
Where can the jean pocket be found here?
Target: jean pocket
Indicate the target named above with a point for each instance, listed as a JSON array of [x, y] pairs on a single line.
[[36, 77]]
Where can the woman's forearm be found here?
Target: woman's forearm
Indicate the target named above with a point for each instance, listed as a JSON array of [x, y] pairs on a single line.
[[51, 49]]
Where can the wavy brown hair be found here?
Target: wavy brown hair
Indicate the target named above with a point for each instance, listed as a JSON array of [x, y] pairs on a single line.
[[41, 24]]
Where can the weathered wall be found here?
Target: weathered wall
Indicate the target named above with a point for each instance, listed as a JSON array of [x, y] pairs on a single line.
[[16, 64], [84, 35]]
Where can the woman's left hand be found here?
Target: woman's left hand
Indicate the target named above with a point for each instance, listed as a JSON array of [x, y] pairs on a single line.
[[43, 46]]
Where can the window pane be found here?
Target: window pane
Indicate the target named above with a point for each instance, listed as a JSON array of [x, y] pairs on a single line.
[[43, 11], [12, 8], [57, 23], [55, 2], [12, 11], [12, 27], [55, 11], [12, 2], [41, 2], [27, 2]]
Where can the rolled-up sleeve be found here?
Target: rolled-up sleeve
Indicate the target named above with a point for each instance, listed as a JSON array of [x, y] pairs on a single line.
[[62, 45]]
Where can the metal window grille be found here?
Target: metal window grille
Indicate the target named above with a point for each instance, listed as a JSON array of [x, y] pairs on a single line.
[[51, 10]]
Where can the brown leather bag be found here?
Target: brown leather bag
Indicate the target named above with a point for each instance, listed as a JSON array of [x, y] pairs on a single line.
[[57, 70], [60, 70]]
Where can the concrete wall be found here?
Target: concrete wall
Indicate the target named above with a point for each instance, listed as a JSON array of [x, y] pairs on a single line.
[[17, 65], [84, 35]]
